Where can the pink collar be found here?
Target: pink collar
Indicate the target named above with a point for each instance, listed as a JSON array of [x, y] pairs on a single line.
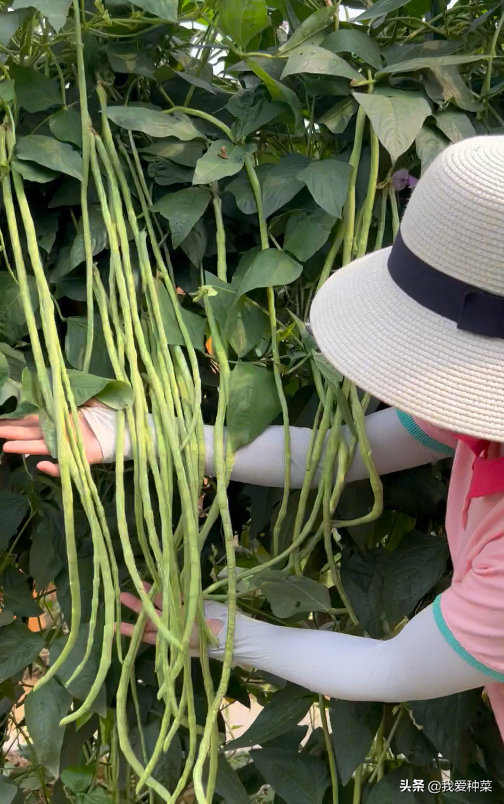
[[487, 473]]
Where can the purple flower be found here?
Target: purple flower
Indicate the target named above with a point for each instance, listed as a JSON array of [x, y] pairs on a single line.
[[402, 179]]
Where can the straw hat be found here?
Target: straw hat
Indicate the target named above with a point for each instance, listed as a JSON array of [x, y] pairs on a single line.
[[421, 325]]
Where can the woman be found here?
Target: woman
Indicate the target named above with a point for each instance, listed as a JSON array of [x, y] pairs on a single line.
[[420, 326]]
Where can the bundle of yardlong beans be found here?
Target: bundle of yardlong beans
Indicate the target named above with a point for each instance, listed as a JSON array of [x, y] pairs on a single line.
[[165, 384]]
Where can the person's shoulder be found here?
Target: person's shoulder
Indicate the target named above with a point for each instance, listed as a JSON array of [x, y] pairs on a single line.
[[429, 435]]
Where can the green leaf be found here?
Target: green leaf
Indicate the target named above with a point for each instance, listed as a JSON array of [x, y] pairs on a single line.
[[241, 188], [195, 244], [98, 237], [80, 686], [127, 58], [307, 233], [14, 508], [117, 394], [4, 369], [196, 324], [244, 20], [228, 784], [285, 709], [32, 172], [327, 181], [222, 159], [380, 9], [298, 778], [182, 210], [246, 325], [97, 796], [279, 92], [19, 647], [18, 594], [396, 116], [6, 618], [317, 60], [253, 111], [309, 27], [293, 594], [66, 126], [10, 793], [34, 91], [282, 183], [155, 124], [78, 778], [163, 9], [47, 552], [444, 84], [10, 21], [183, 153], [455, 125], [44, 709], [384, 586], [270, 267], [7, 91], [429, 144], [445, 720], [166, 173], [348, 40], [75, 346], [168, 768], [46, 228], [354, 725], [50, 153], [338, 117], [54, 10], [253, 403], [413, 65], [388, 790]]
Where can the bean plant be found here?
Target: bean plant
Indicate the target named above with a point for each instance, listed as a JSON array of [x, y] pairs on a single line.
[[178, 179]]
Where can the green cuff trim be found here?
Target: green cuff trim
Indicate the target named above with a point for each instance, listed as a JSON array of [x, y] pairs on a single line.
[[457, 647], [418, 434]]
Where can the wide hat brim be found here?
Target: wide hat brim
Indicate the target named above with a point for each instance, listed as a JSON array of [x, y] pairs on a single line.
[[407, 355]]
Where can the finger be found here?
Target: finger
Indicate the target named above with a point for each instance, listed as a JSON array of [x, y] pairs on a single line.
[[49, 468], [26, 421], [158, 600], [15, 432], [131, 602], [148, 636], [26, 447]]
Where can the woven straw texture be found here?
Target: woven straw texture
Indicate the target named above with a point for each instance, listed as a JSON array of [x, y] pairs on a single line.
[[402, 353]]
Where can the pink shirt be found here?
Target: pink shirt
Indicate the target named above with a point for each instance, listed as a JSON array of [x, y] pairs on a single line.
[[470, 614]]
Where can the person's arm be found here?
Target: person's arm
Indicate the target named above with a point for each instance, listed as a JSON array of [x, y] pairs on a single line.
[[397, 442]]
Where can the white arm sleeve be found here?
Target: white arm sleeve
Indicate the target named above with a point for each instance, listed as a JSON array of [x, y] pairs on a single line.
[[417, 664], [262, 461]]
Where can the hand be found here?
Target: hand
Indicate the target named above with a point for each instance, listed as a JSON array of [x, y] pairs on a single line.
[[149, 635], [25, 437]]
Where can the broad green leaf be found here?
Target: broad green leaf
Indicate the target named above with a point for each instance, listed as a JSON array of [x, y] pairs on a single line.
[[284, 711], [183, 153], [196, 324], [429, 144], [17, 592], [317, 60], [155, 124], [15, 359], [166, 173], [307, 233], [19, 647], [10, 793], [126, 58], [7, 91], [246, 325], [4, 369], [279, 92], [380, 9], [396, 116], [75, 346], [388, 790], [195, 244], [47, 552], [44, 709], [97, 796], [292, 594], [14, 508], [163, 9], [50, 153], [446, 720], [10, 21], [46, 228], [399, 52], [54, 10], [309, 27], [117, 394], [244, 20], [338, 117], [354, 726], [253, 111], [327, 181], [168, 768], [384, 586], [223, 158], [34, 91], [33, 172], [412, 65], [241, 188], [298, 778], [282, 182], [66, 126], [98, 237], [455, 125], [6, 618], [182, 210], [445, 84], [228, 784], [80, 686], [78, 778], [253, 403], [348, 40], [270, 267]]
